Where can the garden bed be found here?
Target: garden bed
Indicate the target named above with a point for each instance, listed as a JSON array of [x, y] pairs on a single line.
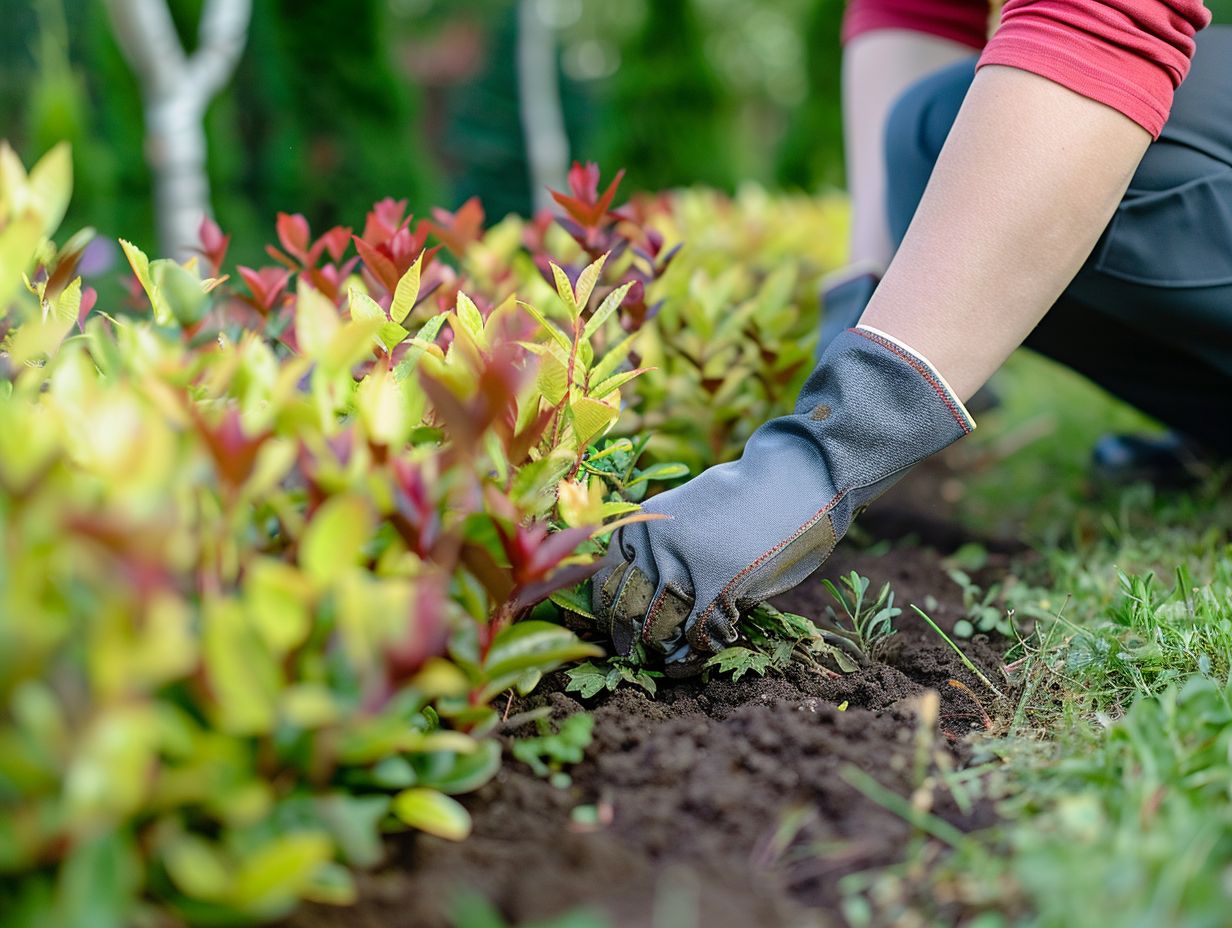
[[728, 803]]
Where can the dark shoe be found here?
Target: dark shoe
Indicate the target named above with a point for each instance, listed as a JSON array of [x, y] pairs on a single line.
[[1169, 460]]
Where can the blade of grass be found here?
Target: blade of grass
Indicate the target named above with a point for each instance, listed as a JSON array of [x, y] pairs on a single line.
[[967, 662]]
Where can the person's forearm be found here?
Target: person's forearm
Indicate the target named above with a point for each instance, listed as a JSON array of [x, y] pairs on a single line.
[[877, 67], [1028, 178]]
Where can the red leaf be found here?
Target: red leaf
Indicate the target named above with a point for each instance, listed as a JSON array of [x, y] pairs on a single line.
[[213, 243], [267, 285], [605, 201], [89, 296], [293, 233], [378, 265], [529, 594], [334, 241], [554, 549], [234, 452], [459, 229], [584, 181]]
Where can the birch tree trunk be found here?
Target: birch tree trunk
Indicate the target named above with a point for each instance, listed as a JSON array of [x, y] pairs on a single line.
[[543, 122], [176, 88]]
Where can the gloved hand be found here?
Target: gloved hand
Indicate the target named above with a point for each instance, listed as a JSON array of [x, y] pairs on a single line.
[[742, 532]]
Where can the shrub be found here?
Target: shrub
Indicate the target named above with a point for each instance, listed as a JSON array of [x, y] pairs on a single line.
[[272, 540]]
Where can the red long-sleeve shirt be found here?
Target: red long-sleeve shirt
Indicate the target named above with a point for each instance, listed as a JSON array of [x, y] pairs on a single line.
[[1128, 54]]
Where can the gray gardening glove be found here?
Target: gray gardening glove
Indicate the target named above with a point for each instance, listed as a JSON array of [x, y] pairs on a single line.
[[745, 531]]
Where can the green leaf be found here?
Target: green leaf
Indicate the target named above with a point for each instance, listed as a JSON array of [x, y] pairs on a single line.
[[526, 645], [553, 381], [334, 539], [586, 679], [609, 305], [365, 307], [242, 674], [354, 822], [18, 242], [662, 472], [197, 867], [739, 661], [425, 336], [432, 812], [464, 773], [99, 882], [577, 599], [51, 183], [407, 292], [181, 290]]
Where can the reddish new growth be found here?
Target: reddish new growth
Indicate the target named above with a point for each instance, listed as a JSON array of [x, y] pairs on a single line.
[[389, 247]]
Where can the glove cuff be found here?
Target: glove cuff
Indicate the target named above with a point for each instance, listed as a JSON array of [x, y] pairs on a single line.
[[930, 373]]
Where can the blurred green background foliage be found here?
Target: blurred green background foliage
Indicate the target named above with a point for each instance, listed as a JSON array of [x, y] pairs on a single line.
[[336, 103]]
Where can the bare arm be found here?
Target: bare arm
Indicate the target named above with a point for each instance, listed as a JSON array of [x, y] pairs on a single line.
[[877, 68], [1028, 178]]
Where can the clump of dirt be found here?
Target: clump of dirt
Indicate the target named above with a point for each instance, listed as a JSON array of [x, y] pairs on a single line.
[[728, 804]]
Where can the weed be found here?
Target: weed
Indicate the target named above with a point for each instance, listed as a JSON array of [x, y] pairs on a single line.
[[589, 678], [549, 752], [871, 618]]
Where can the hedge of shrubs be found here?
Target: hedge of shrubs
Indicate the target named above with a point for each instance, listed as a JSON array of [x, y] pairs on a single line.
[[276, 539]]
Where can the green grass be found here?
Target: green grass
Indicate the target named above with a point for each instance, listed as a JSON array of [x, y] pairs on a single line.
[[1113, 770]]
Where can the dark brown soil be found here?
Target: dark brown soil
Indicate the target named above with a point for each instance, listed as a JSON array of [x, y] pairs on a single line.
[[728, 802]]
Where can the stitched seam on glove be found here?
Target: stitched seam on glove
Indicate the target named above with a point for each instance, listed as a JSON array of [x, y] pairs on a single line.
[[963, 421], [773, 551]]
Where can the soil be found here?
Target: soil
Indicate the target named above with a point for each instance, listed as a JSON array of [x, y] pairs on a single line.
[[727, 803]]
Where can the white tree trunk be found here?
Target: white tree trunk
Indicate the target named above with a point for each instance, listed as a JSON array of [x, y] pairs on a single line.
[[543, 122], [176, 89]]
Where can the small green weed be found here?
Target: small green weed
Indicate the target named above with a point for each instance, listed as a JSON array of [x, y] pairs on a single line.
[[589, 678], [870, 619], [551, 751]]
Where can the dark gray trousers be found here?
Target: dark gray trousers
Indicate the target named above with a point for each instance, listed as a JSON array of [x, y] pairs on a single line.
[[1149, 316]]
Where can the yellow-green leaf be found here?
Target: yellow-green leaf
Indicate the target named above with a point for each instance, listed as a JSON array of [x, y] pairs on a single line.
[[334, 539], [407, 292], [51, 186], [610, 304], [564, 289], [469, 316], [141, 267], [433, 812], [586, 282], [18, 241], [553, 380], [591, 418], [316, 320], [557, 335], [609, 362], [273, 877]]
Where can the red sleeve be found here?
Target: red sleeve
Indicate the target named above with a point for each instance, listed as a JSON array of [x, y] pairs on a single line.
[[1128, 54], [964, 21]]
